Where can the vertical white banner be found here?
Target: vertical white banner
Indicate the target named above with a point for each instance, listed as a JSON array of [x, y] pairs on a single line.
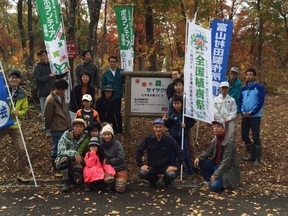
[[197, 74]]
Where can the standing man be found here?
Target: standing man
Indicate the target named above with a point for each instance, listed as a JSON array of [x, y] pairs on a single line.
[[56, 117], [219, 164], [88, 67], [170, 89], [235, 86], [20, 101], [113, 78], [159, 148], [44, 78], [251, 106], [225, 108]]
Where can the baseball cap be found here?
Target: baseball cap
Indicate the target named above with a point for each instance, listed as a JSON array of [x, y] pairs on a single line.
[[87, 97], [15, 73], [235, 69], [224, 84], [219, 122], [158, 121]]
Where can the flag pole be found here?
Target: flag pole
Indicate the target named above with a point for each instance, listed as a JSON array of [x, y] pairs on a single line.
[[17, 121]]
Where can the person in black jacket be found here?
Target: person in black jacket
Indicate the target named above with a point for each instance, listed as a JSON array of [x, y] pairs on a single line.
[[170, 89], [77, 93], [159, 147], [106, 108], [175, 125]]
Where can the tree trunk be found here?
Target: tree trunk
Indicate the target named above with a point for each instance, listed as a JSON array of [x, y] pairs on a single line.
[[21, 28], [149, 29], [30, 60], [71, 32], [94, 7], [260, 36]]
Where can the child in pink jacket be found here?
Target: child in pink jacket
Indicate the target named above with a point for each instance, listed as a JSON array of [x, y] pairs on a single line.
[[94, 169]]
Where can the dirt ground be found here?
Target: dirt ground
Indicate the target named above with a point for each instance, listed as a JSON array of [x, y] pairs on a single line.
[[268, 177]]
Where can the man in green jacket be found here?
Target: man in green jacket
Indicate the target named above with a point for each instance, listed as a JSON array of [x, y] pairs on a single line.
[[113, 78], [20, 100], [219, 164]]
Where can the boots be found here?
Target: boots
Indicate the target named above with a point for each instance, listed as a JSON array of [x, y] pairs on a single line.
[[56, 172], [66, 186], [251, 152], [258, 151]]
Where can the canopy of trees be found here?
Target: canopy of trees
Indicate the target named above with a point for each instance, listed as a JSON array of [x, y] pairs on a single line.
[[260, 37]]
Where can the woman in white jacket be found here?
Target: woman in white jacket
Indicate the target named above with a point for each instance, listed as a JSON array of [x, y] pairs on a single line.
[[225, 108]]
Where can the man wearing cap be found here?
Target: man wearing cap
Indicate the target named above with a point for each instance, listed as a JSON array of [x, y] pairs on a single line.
[[68, 160], [44, 78], [159, 148], [251, 106], [219, 164], [56, 117], [88, 67], [225, 108], [113, 77], [235, 86], [20, 100]]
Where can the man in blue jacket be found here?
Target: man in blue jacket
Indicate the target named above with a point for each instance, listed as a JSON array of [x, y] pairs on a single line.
[[113, 78], [251, 106]]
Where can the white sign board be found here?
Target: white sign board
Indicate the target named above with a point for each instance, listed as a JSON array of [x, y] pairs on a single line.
[[148, 94]]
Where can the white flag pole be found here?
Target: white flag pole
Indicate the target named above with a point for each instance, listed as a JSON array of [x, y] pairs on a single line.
[[17, 121], [182, 134]]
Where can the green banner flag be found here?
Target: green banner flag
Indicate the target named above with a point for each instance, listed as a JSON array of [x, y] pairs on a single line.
[[53, 33], [124, 20]]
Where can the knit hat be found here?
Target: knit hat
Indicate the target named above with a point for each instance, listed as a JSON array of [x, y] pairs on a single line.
[[94, 141], [108, 128], [218, 122]]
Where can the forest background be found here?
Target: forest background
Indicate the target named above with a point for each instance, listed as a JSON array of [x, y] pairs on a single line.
[[260, 35]]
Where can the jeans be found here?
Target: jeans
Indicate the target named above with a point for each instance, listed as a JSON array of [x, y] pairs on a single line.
[[207, 168], [187, 159], [152, 174], [56, 135], [254, 124]]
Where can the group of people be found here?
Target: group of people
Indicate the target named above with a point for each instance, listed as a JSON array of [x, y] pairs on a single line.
[[85, 149]]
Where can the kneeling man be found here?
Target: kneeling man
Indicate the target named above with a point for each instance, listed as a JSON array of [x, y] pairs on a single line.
[[159, 148], [219, 164]]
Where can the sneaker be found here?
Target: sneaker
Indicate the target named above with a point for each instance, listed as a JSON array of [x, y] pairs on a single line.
[[208, 184], [108, 179], [65, 188], [21, 177]]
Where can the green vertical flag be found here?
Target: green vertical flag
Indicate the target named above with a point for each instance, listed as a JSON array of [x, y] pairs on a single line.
[[53, 33], [124, 20]]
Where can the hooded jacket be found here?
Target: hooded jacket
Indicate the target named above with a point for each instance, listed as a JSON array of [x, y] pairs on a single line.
[[20, 101]]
